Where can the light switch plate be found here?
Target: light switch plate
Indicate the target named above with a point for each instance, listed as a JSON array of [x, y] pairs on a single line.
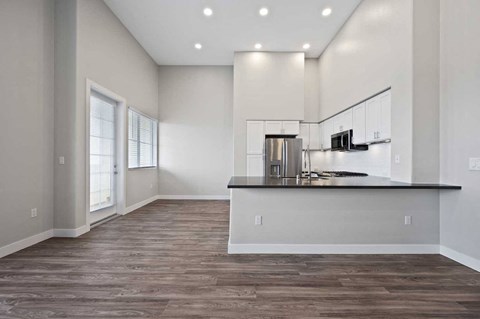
[[258, 220], [61, 160], [397, 159], [474, 164], [408, 220]]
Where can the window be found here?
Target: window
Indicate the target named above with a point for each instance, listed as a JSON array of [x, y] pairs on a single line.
[[142, 140]]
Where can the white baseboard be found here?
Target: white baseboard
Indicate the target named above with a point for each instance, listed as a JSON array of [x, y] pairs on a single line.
[[74, 232], [24, 243], [138, 205], [331, 249], [195, 197], [460, 258]]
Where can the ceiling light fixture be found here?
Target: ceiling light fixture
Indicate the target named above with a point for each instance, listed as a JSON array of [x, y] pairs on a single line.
[[258, 46], [208, 12], [198, 46], [306, 46], [326, 12], [263, 11]]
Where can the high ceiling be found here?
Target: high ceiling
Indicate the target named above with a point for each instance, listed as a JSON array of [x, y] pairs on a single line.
[[169, 29]]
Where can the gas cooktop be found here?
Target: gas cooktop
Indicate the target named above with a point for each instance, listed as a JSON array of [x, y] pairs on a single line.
[[342, 174]]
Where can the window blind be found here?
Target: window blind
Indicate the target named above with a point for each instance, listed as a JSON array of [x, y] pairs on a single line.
[[142, 140]]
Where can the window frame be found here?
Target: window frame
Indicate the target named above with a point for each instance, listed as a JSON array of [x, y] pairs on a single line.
[[154, 142]]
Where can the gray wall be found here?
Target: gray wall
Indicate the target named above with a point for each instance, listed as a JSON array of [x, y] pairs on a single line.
[[321, 216], [460, 119], [26, 139], [196, 125], [103, 51], [371, 52], [266, 86]]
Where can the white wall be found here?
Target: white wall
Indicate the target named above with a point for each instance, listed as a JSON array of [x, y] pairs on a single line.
[[196, 130], [267, 86], [375, 162], [26, 123], [311, 91], [106, 53], [460, 119], [372, 52]]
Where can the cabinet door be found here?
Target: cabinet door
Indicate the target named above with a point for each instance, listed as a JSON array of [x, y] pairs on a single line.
[[327, 134], [255, 137], [384, 131], [273, 127], [372, 107], [358, 124], [291, 127], [315, 137], [337, 122], [320, 131], [347, 120], [255, 165], [304, 134]]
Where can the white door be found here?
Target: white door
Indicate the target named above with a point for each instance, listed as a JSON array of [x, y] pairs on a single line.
[[359, 124], [327, 134], [385, 116], [273, 127], [291, 127], [304, 135], [315, 137], [102, 157], [372, 119], [255, 137]]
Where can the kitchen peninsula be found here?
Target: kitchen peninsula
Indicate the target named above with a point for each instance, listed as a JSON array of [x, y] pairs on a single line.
[[334, 215]]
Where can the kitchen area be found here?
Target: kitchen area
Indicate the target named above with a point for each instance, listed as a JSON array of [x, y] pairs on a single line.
[[324, 183]]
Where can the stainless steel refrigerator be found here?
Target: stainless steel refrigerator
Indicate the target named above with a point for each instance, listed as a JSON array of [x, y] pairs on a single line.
[[283, 157]]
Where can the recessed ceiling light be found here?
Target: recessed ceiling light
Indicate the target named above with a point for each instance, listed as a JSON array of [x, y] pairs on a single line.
[[306, 46], [208, 12], [326, 12], [258, 46], [198, 46], [263, 11]]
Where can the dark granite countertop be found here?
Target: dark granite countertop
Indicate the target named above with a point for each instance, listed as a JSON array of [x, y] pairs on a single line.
[[369, 182]]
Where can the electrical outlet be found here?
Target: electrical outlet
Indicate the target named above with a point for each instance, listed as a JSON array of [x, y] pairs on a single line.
[[474, 164], [258, 220], [408, 220], [34, 212], [61, 160], [151, 186], [397, 159]]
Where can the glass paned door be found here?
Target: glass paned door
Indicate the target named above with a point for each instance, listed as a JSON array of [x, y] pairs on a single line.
[[102, 156]]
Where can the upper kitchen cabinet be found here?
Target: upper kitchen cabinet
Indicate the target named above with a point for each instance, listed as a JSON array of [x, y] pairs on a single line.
[[255, 137], [310, 134], [282, 127], [343, 121], [378, 118], [358, 124], [327, 134]]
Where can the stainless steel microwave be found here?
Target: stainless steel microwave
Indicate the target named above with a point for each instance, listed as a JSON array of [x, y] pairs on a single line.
[[343, 142]]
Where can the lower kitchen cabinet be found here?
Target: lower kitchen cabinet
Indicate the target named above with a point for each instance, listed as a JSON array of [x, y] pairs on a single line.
[[255, 166]]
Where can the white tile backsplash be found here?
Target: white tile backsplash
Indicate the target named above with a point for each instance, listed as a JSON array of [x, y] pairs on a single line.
[[375, 161]]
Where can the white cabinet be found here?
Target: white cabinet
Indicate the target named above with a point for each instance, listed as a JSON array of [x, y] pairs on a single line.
[[282, 127], [343, 121], [304, 134], [273, 127], [358, 124], [255, 165], [291, 127], [378, 118], [315, 135], [311, 135], [327, 134], [255, 137]]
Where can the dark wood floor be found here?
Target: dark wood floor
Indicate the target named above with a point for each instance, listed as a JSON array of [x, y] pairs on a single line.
[[169, 260]]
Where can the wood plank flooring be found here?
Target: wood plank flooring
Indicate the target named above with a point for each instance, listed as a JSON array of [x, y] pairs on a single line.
[[169, 260]]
